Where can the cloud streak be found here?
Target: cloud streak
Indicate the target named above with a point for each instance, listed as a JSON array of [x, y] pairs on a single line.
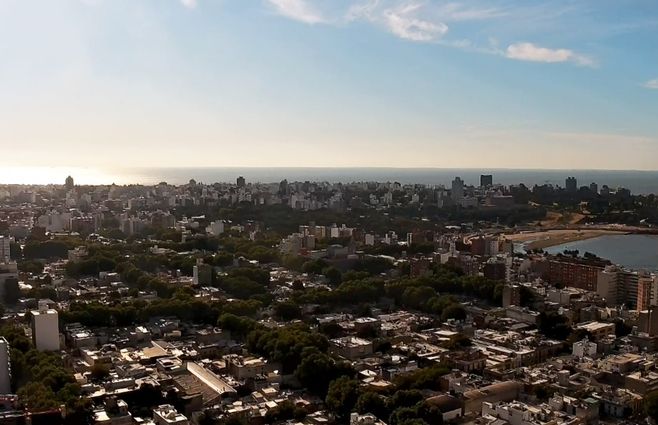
[[427, 21], [190, 4], [458, 12], [407, 20], [533, 53], [652, 84], [298, 10]]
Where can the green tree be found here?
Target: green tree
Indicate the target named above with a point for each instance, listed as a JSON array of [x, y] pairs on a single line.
[[239, 327], [247, 308], [428, 378], [454, 311], [242, 287], [316, 371], [314, 266], [406, 416], [651, 405], [31, 266], [333, 274], [286, 345], [370, 402], [100, 371], [37, 396], [342, 396], [417, 296], [287, 310], [12, 292]]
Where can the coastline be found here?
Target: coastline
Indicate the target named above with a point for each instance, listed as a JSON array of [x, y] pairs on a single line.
[[549, 238]]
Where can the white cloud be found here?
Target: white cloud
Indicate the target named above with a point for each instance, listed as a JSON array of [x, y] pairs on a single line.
[[407, 20], [190, 4], [533, 53], [427, 21], [299, 10], [652, 84], [404, 21]]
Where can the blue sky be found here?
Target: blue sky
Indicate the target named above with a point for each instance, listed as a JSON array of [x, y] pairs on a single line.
[[496, 83]]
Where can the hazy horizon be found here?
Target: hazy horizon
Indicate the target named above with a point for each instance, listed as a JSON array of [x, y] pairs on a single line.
[[643, 182]]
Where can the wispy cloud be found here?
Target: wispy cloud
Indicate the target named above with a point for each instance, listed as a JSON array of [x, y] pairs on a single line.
[[190, 4], [459, 12], [427, 21], [652, 84], [407, 20], [533, 53], [299, 10]]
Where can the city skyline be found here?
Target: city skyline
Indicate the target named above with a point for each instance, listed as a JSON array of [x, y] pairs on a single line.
[[499, 84]]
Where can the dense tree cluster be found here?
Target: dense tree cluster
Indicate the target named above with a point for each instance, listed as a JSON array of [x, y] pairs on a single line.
[[40, 379], [134, 312], [424, 294], [285, 345], [403, 404], [90, 266], [49, 249]]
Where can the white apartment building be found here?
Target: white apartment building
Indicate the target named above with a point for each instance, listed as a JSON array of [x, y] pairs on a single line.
[[45, 329], [216, 228]]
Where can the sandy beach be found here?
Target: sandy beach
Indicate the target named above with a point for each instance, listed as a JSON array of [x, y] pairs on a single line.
[[540, 240]]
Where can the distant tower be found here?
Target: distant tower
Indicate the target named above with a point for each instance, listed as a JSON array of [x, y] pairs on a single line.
[[511, 295], [646, 290], [593, 187], [457, 189], [241, 181], [5, 249], [5, 367], [283, 187], [571, 184], [45, 328], [486, 180], [69, 184]]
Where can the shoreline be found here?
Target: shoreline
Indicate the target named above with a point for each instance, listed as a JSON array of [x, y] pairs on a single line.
[[550, 238]]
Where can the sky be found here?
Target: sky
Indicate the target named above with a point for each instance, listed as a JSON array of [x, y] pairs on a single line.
[[564, 84]]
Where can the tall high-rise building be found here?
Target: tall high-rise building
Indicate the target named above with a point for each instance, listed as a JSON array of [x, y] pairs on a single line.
[[593, 187], [622, 287], [283, 187], [45, 329], [486, 180], [5, 249], [457, 189], [646, 291], [5, 367], [511, 295], [648, 321], [571, 184], [241, 182], [69, 183]]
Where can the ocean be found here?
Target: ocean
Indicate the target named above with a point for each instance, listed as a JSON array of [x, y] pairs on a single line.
[[639, 182], [637, 252]]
